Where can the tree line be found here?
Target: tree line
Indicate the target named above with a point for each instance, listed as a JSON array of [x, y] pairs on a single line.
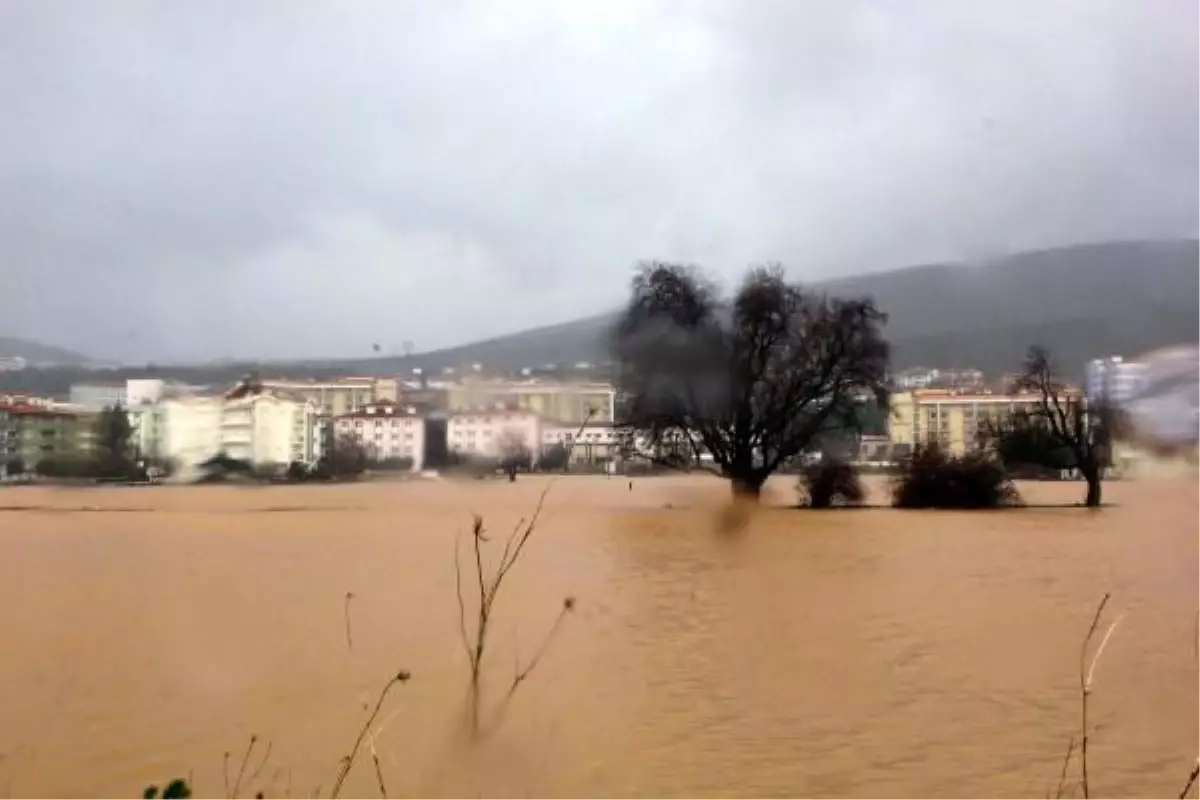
[[746, 384]]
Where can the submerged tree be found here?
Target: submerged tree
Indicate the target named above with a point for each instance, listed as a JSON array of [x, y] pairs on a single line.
[[515, 454], [1061, 431], [751, 381]]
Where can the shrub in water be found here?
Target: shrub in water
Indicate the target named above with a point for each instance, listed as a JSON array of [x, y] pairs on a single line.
[[830, 482], [934, 479]]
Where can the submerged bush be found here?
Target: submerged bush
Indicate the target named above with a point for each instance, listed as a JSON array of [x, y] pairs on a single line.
[[934, 479], [830, 482]]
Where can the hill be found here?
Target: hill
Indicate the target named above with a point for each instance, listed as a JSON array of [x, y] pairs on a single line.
[[37, 353], [1083, 301]]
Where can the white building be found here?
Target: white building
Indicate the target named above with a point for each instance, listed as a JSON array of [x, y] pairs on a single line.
[[265, 429], [489, 433], [386, 431], [586, 443], [260, 428], [1114, 379]]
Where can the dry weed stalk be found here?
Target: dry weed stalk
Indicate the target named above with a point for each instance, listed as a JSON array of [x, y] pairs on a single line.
[[487, 585], [347, 762], [1087, 672], [236, 789], [1085, 687]]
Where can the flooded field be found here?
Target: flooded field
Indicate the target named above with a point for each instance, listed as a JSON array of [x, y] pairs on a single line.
[[144, 632]]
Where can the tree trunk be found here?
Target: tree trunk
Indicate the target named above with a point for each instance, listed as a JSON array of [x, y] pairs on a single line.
[[1093, 488], [746, 488]]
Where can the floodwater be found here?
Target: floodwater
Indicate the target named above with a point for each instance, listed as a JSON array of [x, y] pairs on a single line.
[[145, 632]]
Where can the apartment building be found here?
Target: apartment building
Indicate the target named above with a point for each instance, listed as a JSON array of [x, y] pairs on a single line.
[[949, 418], [1114, 379], [386, 431], [30, 434], [257, 427], [8, 439], [337, 396], [489, 433], [266, 429], [569, 403]]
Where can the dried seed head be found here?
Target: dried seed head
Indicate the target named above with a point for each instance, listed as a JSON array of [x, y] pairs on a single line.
[[569, 603], [403, 676]]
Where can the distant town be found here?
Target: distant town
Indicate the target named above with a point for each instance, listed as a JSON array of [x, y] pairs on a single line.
[[549, 417]]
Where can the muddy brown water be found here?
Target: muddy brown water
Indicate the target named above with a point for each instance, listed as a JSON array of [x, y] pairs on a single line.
[[144, 632]]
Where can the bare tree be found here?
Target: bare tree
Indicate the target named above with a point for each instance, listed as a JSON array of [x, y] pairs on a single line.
[[752, 381], [1063, 429]]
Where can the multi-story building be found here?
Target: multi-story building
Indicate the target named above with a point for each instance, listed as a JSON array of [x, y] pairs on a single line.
[[338, 396], [30, 434], [386, 431], [950, 419], [1114, 380], [8, 440], [569, 403], [257, 427], [494, 432], [264, 429]]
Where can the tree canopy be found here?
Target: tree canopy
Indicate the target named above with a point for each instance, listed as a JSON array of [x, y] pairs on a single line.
[[751, 380]]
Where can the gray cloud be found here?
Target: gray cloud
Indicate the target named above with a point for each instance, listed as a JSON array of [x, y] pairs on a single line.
[[193, 180]]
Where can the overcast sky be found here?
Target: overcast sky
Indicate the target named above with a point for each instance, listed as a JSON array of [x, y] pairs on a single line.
[[191, 179]]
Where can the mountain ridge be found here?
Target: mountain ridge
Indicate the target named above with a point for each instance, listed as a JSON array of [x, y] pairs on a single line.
[[39, 353], [1083, 301], [1086, 295]]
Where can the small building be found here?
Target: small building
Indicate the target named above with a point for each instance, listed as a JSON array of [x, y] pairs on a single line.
[[590, 443]]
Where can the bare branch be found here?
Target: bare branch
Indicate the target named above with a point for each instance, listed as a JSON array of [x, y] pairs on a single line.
[[1191, 781], [567, 607]]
